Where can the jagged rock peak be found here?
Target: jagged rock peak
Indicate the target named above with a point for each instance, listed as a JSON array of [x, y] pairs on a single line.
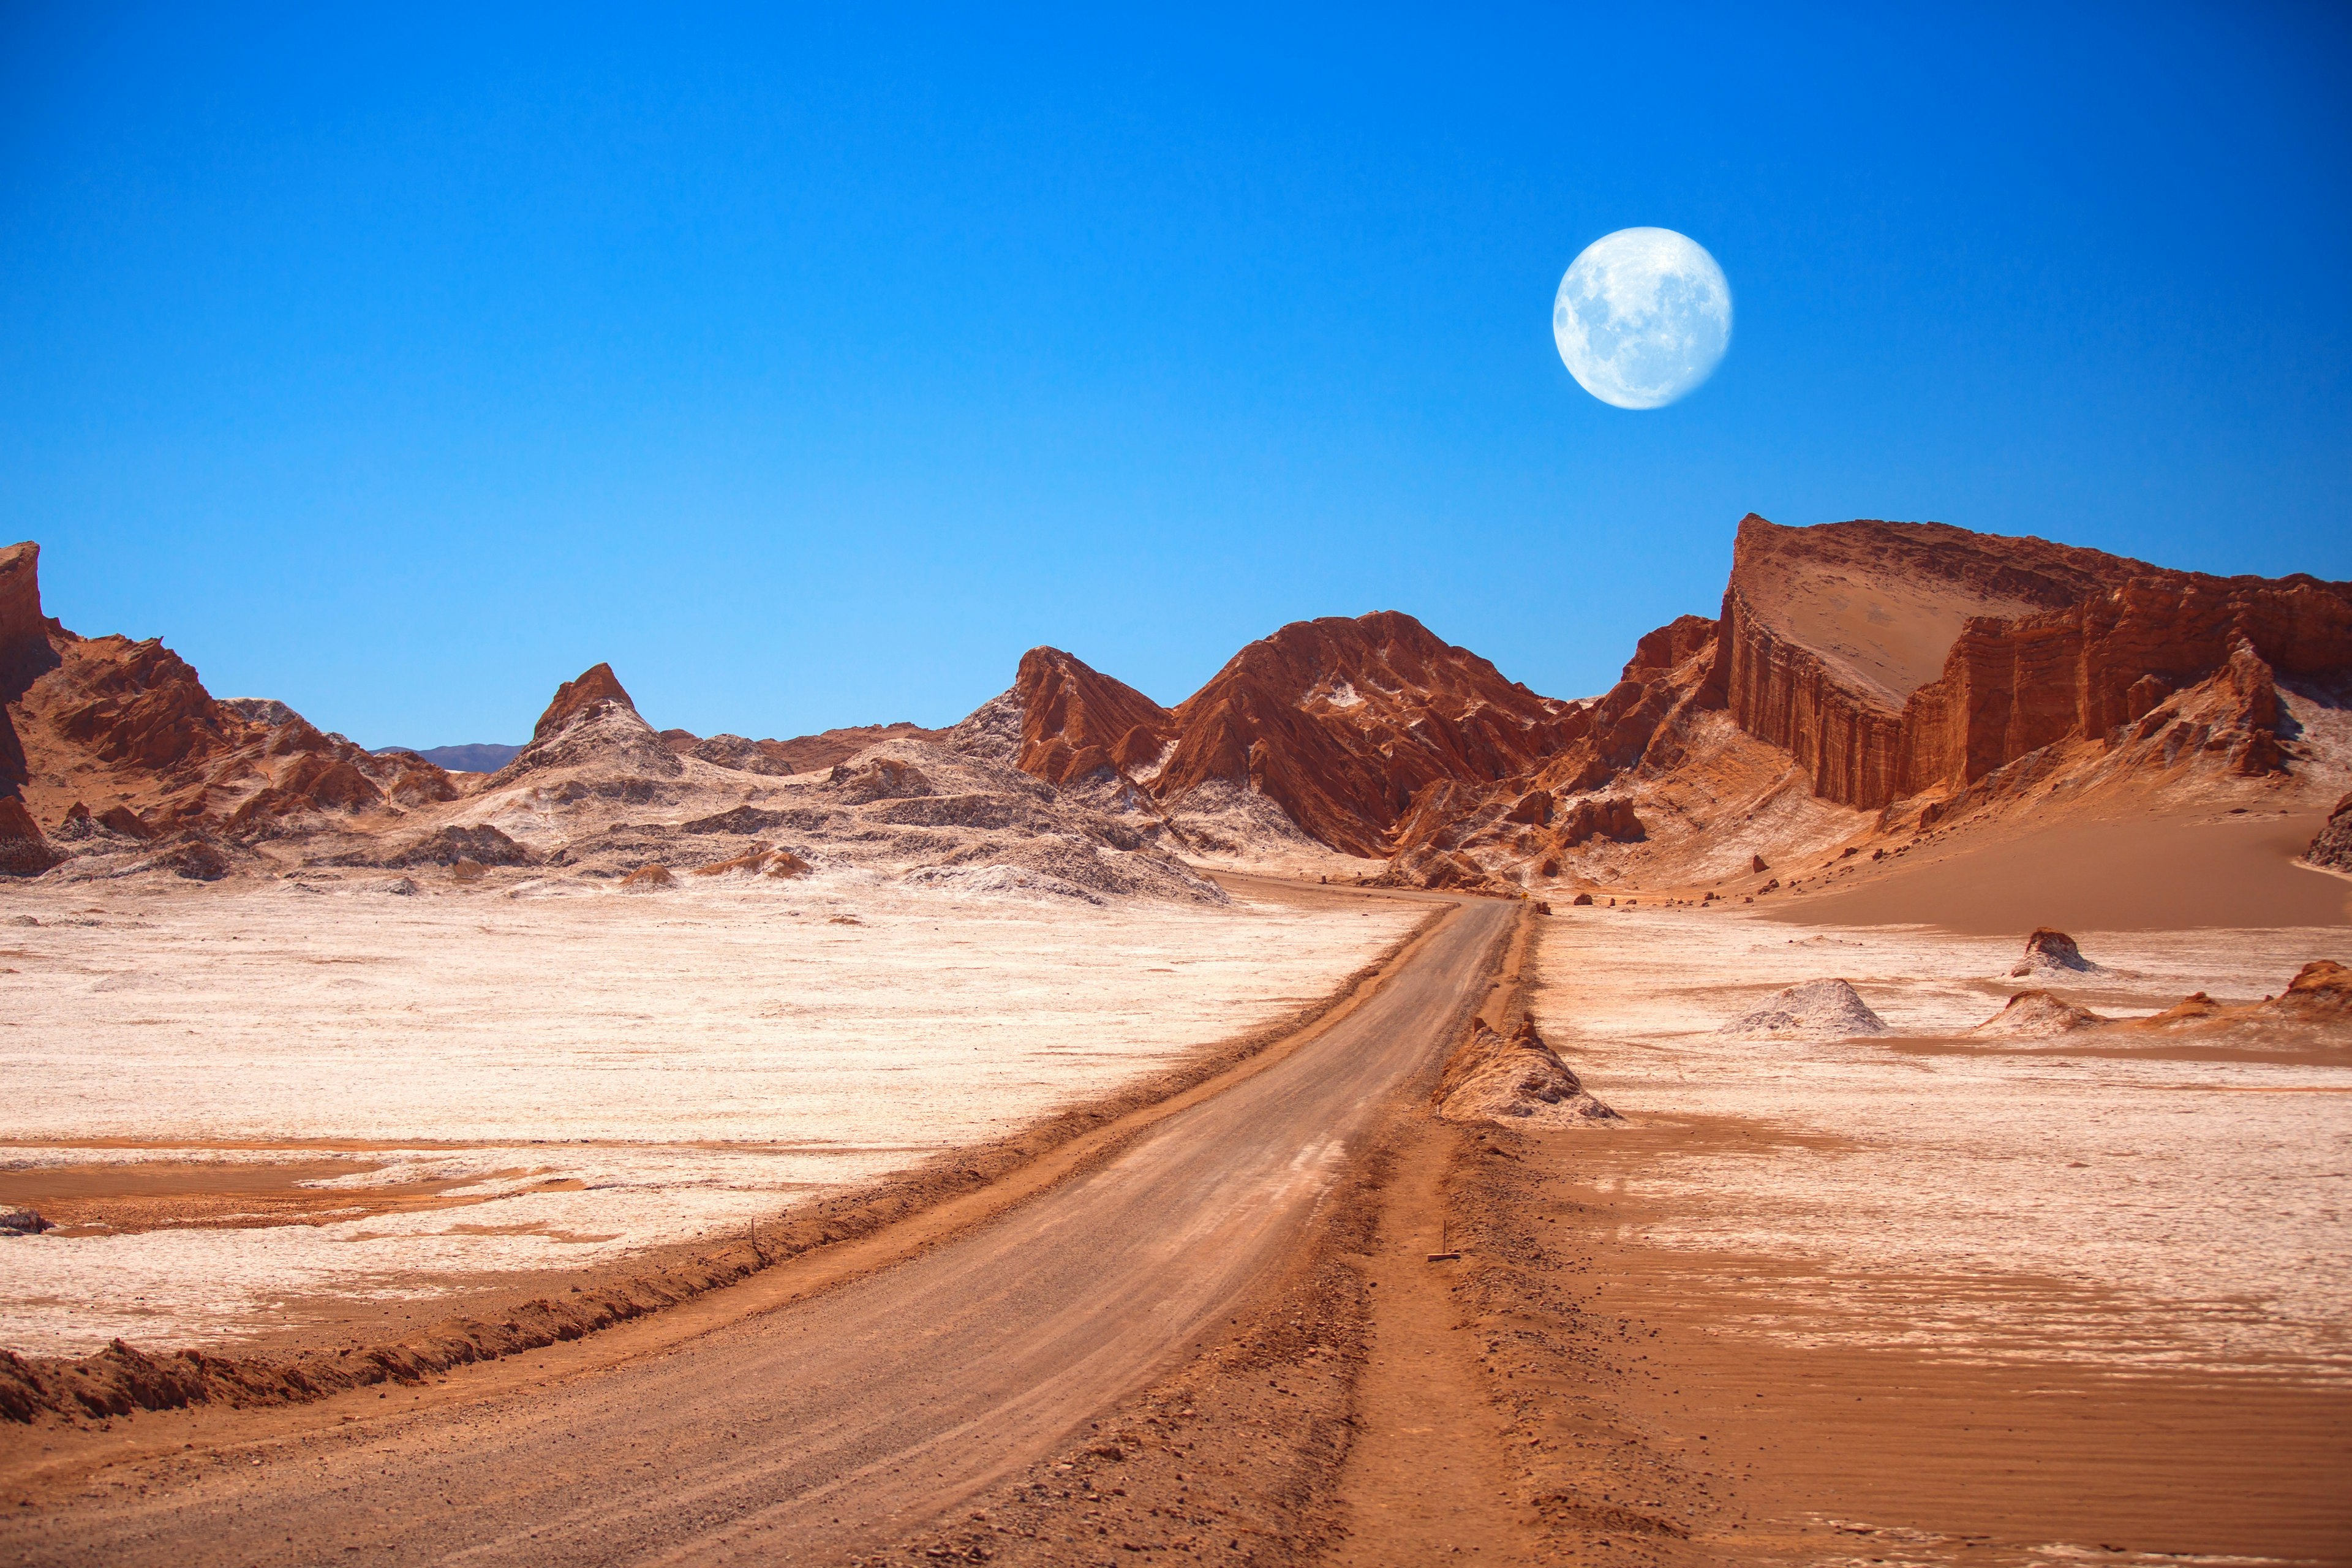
[[596, 685], [1076, 722]]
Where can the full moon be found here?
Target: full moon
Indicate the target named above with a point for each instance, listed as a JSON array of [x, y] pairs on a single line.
[[1642, 317]]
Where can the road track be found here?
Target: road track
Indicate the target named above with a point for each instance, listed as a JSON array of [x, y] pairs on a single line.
[[839, 1422]]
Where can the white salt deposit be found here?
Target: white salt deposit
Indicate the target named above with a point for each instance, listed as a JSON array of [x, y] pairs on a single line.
[[1817, 1010], [692, 1058], [1976, 1199]]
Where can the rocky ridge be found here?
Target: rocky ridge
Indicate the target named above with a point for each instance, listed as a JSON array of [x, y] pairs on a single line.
[[1866, 684]]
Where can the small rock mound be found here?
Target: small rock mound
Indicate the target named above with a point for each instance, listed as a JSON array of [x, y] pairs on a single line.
[[758, 861], [2049, 952], [2037, 1015], [23, 1222], [195, 855], [485, 845], [1516, 1079], [2331, 847], [881, 778], [1817, 1010], [2320, 989]]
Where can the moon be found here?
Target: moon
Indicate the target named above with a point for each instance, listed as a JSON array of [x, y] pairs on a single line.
[[1642, 317]]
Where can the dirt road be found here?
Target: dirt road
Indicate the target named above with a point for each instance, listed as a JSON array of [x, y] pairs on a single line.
[[831, 1424]]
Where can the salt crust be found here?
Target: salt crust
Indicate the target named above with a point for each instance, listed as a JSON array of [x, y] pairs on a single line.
[[2150, 1211], [695, 1059]]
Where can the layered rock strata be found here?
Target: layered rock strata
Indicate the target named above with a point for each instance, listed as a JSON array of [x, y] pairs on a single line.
[[1895, 658]]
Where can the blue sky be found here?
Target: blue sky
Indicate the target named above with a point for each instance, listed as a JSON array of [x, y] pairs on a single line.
[[402, 361]]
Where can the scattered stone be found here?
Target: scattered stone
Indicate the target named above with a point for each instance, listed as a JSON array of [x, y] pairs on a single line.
[[1756, 865], [1582, 901], [1816, 1010]]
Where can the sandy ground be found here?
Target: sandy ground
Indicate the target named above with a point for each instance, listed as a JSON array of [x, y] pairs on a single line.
[[2180, 870], [243, 1103], [2170, 1207], [1907, 1299], [822, 1406]]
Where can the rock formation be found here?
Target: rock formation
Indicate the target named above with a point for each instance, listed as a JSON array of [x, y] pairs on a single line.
[[1890, 659], [593, 733], [2331, 847], [2049, 952], [1516, 1079], [130, 723], [2036, 1015], [1816, 1010]]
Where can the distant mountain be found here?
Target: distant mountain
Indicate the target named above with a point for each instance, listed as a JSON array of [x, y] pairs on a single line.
[[482, 757], [1900, 675]]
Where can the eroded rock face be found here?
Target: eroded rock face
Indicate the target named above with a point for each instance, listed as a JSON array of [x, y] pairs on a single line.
[[1891, 657], [24, 651], [110, 718], [2332, 846], [24, 851]]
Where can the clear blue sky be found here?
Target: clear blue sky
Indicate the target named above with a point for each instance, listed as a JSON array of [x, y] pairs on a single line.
[[402, 361]]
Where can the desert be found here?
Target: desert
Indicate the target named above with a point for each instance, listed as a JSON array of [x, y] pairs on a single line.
[[1068, 788], [638, 1071]]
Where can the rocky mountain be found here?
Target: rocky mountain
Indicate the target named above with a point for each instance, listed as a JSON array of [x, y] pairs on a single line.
[[1338, 725], [1865, 683], [116, 744], [1863, 678]]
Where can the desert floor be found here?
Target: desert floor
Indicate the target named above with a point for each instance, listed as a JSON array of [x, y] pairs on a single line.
[[250, 1109], [1921, 1298]]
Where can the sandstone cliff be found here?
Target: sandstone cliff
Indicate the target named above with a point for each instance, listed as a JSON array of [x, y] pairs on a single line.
[[1890, 658]]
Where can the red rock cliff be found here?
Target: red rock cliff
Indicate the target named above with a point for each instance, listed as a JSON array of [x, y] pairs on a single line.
[[1889, 658]]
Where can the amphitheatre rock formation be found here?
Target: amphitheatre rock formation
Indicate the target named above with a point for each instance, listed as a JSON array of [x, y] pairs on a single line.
[[1865, 683]]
